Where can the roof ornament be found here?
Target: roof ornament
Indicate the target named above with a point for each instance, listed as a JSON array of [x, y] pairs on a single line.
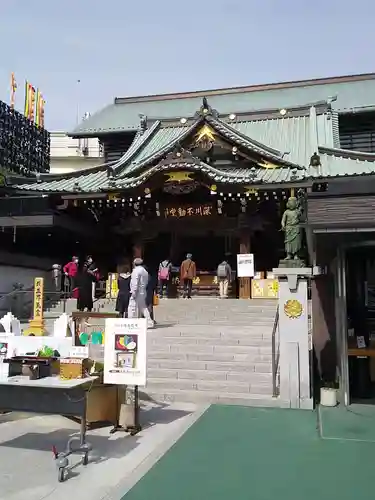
[[76, 186], [112, 182], [38, 177], [110, 172], [315, 160], [142, 123], [206, 110]]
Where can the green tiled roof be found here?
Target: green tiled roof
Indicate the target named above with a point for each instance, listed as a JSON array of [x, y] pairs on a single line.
[[351, 92], [288, 142]]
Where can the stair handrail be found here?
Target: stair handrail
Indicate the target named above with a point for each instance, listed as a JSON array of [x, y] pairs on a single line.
[[275, 356]]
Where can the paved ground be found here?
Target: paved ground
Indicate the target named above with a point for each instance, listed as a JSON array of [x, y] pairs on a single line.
[[28, 471], [262, 454]]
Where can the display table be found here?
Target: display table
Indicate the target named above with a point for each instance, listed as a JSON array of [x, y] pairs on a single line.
[[51, 395]]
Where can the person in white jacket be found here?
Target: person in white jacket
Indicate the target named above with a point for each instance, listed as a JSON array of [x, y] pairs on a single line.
[[138, 293]]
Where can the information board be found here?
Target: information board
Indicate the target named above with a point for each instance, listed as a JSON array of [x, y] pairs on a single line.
[[245, 265], [125, 353]]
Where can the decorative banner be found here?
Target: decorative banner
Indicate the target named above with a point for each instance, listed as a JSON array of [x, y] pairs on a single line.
[[111, 289], [245, 265], [179, 212], [29, 101], [125, 352], [32, 103], [13, 88], [39, 109]]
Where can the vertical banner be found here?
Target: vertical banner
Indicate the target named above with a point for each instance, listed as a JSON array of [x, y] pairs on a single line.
[[32, 103], [13, 88], [38, 298], [39, 109], [29, 111], [27, 97]]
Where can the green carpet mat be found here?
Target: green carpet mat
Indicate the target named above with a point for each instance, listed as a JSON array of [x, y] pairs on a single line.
[[259, 454], [357, 422]]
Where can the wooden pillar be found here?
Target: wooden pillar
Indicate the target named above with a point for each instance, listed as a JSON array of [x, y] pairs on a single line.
[[138, 247], [244, 283]]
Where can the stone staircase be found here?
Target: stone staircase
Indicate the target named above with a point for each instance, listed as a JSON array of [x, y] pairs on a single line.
[[211, 350], [206, 350]]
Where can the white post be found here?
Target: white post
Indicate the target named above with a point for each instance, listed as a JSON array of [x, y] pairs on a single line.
[[295, 384]]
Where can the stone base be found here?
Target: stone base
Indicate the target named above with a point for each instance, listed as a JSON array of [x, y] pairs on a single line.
[[291, 263], [36, 328]]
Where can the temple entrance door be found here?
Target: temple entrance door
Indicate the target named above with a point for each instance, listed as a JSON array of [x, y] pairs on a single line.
[[208, 251], [158, 249]]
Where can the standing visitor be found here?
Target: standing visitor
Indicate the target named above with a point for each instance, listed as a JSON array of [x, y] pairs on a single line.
[[85, 279], [224, 275], [188, 272], [151, 290], [94, 271], [138, 293], [123, 296], [164, 275], [70, 272]]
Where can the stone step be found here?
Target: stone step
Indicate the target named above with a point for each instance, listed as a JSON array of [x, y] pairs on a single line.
[[195, 349], [205, 320], [214, 331], [252, 378], [224, 340], [217, 357], [228, 398], [165, 384], [226, 366]]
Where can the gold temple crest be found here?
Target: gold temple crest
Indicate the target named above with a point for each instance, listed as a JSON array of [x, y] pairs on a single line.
[[205, 138], [179, 176]]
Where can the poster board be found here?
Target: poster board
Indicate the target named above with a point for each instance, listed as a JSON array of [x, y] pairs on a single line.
[[125, 353], [245, 265]]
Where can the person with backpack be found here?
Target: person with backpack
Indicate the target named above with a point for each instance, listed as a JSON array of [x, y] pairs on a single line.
[[224, 276], [164, 275]]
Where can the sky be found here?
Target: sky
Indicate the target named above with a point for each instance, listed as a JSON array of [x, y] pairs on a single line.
[[83, 53]]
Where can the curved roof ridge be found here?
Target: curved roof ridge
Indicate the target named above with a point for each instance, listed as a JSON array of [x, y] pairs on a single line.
[[347, 153], [139, 140], [158, 154], [257, 144]]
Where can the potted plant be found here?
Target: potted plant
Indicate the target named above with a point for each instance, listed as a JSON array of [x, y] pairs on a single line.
[[328, 394]]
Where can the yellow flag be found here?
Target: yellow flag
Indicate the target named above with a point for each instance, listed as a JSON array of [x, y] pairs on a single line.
[[31, 103], [41, 111], [13, 88], [37, 108], [27, 99]]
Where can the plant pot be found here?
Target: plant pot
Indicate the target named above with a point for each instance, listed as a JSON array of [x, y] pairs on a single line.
[[328, 396]]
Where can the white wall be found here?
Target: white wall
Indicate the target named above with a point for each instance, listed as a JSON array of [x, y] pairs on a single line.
[[67, 153], [64, 146], [20, 268]]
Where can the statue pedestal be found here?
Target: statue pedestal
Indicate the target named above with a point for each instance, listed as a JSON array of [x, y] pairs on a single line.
[[295, 343]]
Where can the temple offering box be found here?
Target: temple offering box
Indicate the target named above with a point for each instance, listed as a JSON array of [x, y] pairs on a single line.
[[71, 368], [264, 286]]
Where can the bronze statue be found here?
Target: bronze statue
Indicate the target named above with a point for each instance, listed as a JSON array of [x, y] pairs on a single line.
[[291, 225]]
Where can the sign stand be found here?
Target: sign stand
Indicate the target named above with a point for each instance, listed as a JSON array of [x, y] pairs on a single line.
[[128, 419], [125, 359]]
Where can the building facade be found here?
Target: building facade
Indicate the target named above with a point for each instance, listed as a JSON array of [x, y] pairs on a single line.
[[69, 154], [211, 172]]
